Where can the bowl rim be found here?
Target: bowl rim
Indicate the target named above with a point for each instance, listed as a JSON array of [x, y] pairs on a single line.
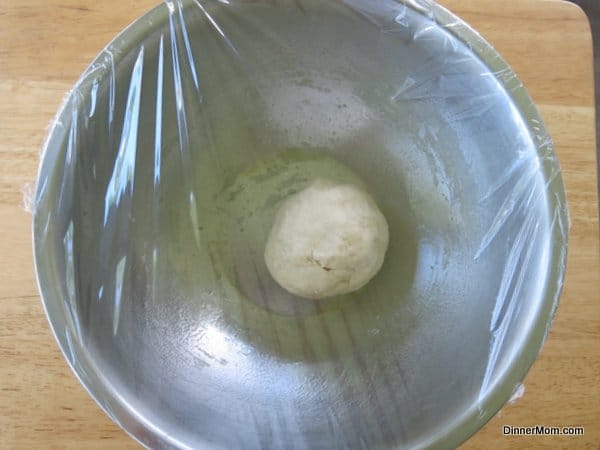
[[492, 400]]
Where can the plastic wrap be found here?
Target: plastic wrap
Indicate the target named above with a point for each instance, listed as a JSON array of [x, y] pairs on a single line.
[[160, 178]]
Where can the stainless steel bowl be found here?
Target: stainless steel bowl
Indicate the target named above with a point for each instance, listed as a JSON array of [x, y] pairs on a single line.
[[167, 161]]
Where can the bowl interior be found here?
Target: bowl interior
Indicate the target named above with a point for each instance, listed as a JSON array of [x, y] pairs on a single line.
[[159, 183]]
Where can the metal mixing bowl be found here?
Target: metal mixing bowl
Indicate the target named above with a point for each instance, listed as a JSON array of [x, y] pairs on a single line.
[[167, 161]]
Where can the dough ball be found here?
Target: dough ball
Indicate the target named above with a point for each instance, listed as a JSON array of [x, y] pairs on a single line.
[[328, 239]]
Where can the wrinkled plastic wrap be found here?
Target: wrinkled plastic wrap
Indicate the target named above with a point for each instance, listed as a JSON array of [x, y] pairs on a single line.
[[168, 160]]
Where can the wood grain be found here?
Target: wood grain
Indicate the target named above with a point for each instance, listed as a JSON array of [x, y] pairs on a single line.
[[46, 44]]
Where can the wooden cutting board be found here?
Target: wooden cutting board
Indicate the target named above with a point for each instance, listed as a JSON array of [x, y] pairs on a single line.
[[44, 47]]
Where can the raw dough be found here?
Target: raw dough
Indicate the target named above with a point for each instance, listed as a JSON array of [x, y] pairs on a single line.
[[328, 239]]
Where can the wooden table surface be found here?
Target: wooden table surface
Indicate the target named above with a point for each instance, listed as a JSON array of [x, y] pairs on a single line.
[[44, 47]]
